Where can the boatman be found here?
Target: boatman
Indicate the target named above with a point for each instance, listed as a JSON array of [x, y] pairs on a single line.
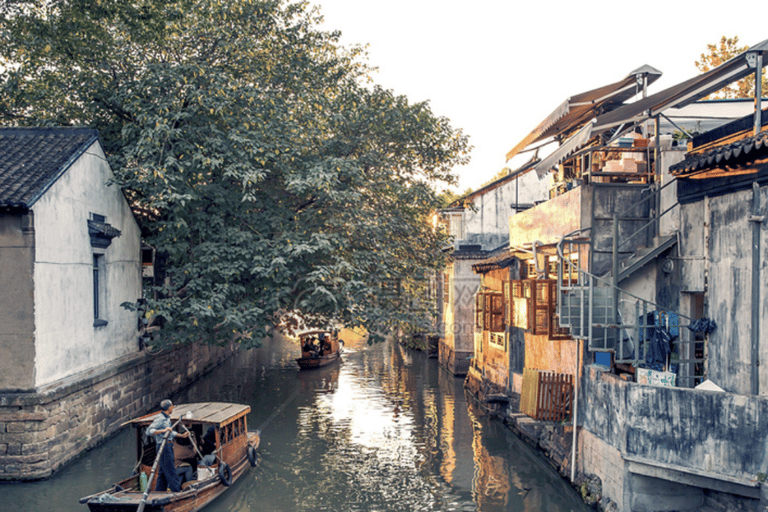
[[168, 478]]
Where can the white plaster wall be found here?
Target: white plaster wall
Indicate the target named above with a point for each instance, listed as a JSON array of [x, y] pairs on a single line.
[[66, 340], [488, 225], [460, 320]]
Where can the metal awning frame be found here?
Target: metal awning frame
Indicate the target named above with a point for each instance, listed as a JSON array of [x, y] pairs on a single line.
[[636, 80]]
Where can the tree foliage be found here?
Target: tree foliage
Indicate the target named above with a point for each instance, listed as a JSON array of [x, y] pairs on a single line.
[[718, 54], [273, 179]]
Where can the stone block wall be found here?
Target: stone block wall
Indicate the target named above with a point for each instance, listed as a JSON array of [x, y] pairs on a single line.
[[41, 431], [455, 361], [595, 457]]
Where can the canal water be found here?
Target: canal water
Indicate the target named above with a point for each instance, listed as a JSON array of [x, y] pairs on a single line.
[[384, 430]]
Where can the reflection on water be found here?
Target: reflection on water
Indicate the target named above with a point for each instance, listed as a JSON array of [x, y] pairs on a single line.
[[385, 430]]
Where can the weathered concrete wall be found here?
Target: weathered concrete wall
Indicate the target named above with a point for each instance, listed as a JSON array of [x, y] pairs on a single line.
[[65, 337], [669, 223], [600, 203], [17, 305], [547, 222], [712, 433], [40, 432], [719, 245]]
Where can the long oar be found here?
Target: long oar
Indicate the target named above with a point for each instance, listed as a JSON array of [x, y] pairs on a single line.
[[143, 501], [192, 439]]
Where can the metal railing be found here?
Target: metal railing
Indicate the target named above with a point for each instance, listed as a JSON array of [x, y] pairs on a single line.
[[637, 331]]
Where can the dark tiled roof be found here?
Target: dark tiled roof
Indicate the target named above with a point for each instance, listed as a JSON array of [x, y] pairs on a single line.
[[739, 153], [495, 262], [32, 159]]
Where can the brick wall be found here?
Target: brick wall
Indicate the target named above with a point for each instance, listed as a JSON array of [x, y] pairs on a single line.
[[42, 431]]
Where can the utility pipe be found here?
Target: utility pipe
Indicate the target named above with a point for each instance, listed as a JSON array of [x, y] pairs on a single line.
[[758, 92], [756, 219], [575, 408]]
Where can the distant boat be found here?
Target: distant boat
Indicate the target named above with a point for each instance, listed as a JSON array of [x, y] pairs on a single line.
[[223, 428], [319, 347]]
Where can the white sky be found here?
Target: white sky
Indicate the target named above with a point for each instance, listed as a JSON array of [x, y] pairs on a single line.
[[497, 68]]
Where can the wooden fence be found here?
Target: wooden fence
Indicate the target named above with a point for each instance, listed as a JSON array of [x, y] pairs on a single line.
[[546, 396]]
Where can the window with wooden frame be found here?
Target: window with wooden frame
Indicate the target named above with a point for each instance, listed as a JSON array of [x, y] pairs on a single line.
[[541, 301], [555, 331], [497, 312], [479, 311], [507, 303], [517, 288], [552, 267], [518, 306], [489, 311], [541, 307], [498, 340]]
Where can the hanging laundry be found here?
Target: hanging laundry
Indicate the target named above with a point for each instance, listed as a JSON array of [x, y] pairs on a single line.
[[705, 325]]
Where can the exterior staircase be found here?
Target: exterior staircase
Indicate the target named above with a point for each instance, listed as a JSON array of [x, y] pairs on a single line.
[[596, 309]]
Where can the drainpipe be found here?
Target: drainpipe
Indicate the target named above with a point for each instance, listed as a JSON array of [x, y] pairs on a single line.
[[756, 60], [756, 219], [575, 409]]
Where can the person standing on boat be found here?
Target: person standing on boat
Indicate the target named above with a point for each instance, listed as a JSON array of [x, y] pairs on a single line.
[[168, 478]]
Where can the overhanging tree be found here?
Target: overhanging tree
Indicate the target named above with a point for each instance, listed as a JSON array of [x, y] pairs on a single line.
[[716, 55], [274, 180]]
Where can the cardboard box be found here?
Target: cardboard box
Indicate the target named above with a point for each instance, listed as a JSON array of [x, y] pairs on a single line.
[[654, 378], [204, 473]]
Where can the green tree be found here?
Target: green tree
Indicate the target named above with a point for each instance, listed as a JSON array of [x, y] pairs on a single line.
[[718, 54], [274, 180]]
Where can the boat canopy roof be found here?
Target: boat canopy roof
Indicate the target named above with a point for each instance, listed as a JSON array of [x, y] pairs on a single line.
[[316, 332], [217, 413]]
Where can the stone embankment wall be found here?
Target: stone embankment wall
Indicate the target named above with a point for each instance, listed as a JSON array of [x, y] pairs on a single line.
[[42, 431]]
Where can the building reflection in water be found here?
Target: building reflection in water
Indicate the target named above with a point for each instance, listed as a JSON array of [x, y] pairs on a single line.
[[399, 433]]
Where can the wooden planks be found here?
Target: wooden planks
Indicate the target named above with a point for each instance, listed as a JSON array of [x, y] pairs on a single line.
[[203, 412], [546, 396]]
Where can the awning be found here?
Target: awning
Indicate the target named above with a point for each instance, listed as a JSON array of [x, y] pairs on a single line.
[[578, 139], [683, 93], [577, 109]]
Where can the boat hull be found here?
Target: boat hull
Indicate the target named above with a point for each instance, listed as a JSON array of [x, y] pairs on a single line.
[[191, 498], [309, 363], [234, 443]]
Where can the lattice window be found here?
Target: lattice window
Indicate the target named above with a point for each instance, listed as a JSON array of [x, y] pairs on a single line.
[[517, 288], [555, 331], [497, 312], [507, 303], [498, 340], [552, 267], [489, 312], [479, 311]]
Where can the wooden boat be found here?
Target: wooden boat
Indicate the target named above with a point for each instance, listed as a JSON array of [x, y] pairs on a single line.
[[326, 348], [224, 428]]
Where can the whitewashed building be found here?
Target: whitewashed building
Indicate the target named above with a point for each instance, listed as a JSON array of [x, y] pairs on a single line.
[[479, 225], [70, 254]]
